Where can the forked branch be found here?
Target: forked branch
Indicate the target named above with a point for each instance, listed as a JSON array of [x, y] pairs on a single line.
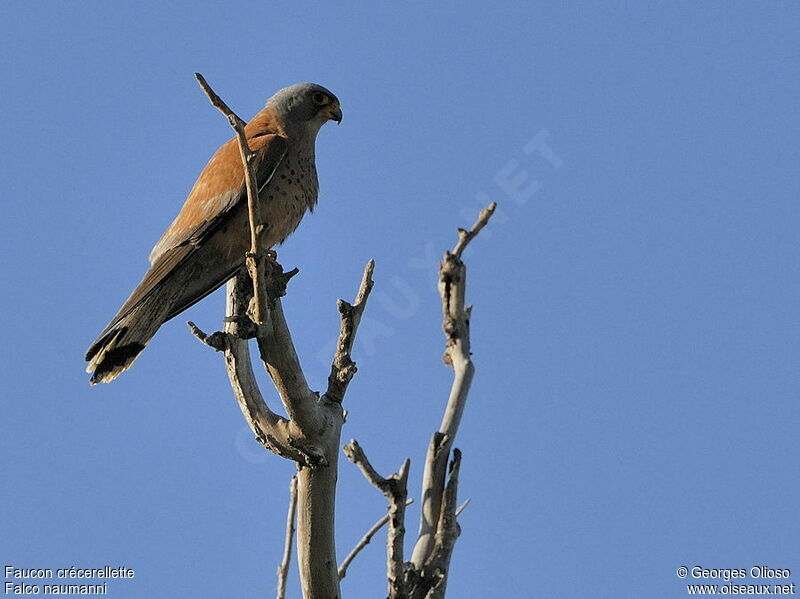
[[456, 317], [365, 540], [343, 368], [395, 488], [310, 435]]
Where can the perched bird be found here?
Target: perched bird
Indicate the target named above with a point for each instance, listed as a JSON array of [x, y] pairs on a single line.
[[206, 244]]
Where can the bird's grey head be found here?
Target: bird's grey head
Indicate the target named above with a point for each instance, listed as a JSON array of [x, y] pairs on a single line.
[[306, 104]]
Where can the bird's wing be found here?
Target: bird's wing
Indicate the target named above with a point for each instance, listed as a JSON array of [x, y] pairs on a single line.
[[218, 189]]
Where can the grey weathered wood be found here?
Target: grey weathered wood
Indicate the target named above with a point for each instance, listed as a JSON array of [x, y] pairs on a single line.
[[283, 568], [395, 488], [311, 433], [456, 316], [365, 540]]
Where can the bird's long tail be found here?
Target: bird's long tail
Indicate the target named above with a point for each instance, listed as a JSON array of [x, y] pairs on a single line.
[[121, 343]]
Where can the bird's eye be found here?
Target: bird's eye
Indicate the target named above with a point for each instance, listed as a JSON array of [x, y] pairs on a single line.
[[319, 98]]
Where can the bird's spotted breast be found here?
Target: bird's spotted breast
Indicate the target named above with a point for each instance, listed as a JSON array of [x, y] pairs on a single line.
[[291, 191]]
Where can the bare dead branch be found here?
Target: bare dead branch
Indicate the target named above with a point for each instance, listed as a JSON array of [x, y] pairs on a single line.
[[272, 430], [343, 368], [447, 532], [218, 102], [395, 562], [456, 316], [365, 540], [357, 456], [447, 522], [255, 258], [216, 341], [280, 358], [395, 488], [311, 434], [466, 236], [317, 486], [283, 568]]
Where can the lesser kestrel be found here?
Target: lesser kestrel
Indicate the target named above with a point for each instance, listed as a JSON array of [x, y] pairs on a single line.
[[206, 244]]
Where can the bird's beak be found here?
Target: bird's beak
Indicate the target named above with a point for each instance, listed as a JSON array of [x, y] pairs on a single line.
[[334, 113]]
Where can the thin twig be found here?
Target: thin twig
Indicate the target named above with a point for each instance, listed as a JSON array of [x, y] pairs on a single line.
[[255, 258], [466, 236], [283, 568], [343, 368], [217, 340], [395, 488], [218, 102], [374, 529], [356, 455]]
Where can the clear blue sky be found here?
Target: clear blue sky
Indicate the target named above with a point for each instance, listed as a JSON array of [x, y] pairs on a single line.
[[636, 322]]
